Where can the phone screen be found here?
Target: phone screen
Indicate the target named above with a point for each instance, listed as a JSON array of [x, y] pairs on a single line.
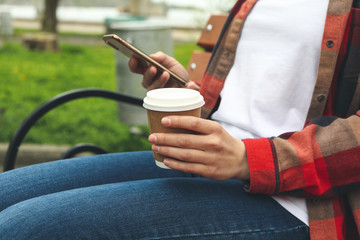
[[131, 51]]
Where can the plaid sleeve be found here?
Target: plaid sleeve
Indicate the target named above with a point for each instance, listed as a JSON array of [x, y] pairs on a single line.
[[322, 160]]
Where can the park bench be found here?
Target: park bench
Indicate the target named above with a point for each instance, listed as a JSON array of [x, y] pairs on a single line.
[[40, 41], [195, 68]]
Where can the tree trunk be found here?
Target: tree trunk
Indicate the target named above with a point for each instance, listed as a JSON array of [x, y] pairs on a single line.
[[49, 21]]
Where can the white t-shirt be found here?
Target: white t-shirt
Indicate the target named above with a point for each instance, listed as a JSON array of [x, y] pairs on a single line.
[[269, 88]]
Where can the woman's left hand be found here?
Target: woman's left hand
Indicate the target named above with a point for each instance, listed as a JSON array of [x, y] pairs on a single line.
[[211, 152]]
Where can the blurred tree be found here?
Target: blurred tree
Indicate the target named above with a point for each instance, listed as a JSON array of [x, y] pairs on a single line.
[[49, 20]]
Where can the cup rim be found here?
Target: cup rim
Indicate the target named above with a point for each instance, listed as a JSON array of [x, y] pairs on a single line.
[[173, 100]]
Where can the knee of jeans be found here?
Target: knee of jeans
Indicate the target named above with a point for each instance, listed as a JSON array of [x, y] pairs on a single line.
[[27, 220]]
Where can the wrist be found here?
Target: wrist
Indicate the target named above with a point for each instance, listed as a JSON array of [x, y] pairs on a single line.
[[244, 172]]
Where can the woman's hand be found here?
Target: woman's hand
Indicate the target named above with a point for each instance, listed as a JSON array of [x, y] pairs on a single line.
[[210, 152], [152, 78]]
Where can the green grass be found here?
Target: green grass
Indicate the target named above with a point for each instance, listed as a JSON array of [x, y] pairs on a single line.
[[29, 78]]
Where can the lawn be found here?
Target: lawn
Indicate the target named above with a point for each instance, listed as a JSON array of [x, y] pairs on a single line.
[[29, 78]]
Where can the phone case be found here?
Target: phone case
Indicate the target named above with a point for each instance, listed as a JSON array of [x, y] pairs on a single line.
[[131, 51]]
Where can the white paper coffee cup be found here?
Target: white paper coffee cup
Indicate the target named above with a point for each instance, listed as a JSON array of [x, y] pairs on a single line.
[[170, 101]]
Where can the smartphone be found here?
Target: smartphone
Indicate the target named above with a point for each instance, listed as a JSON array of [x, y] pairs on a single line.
[[131, 51]]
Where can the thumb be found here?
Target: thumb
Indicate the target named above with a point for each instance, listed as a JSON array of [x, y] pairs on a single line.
[[193, 85]]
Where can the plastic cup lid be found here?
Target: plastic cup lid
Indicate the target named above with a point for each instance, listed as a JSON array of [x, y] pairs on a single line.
[[173, 99]]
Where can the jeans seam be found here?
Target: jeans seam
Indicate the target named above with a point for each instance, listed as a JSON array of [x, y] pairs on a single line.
[[253, 231]]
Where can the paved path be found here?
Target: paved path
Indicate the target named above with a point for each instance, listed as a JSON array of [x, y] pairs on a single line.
[[179, 34]]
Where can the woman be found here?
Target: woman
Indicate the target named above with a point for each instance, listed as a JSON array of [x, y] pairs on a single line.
[[274, 56]]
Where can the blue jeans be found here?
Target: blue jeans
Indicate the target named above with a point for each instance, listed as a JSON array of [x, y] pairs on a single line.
[[125, 196]]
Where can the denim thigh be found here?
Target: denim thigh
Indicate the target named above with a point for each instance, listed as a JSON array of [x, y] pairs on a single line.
[[136, 203], [41, 179]]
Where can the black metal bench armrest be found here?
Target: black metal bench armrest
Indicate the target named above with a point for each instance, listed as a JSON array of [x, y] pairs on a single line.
[[58, 100]]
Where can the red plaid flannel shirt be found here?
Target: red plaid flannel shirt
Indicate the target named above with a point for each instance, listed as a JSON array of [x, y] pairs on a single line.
[[322, 162]]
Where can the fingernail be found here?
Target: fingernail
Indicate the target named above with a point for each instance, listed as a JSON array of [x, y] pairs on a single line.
[[166, 121], [152, 138], [155, 148]]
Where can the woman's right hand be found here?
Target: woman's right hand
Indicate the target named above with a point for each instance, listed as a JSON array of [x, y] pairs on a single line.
[[152, 78]]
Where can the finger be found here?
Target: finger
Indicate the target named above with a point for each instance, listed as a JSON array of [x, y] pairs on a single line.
[[149, 75], [193, 85], [135, 66], [195, 168], [161, 58], [191, 123], [159, 80], [182, 141], [186, 155], [164, 59], [150, 79]]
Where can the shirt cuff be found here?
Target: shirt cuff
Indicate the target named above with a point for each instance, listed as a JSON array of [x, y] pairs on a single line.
[[263, 166]]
